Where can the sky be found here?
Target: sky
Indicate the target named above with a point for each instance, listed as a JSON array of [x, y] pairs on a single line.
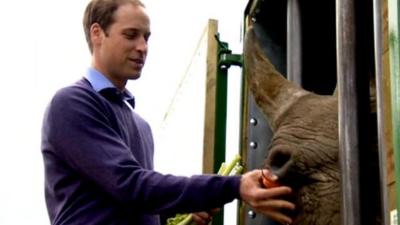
[[42, 48]]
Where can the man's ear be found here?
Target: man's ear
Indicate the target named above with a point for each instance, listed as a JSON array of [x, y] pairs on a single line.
[[96, 34]]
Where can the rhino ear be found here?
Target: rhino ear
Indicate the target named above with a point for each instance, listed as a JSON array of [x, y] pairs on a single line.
[[273, 93]]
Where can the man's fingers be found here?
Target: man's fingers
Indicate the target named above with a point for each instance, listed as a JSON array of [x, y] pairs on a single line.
[[273, 192], [269, 200], [214, 211], [201, 218], [273, 209], [275, 204]]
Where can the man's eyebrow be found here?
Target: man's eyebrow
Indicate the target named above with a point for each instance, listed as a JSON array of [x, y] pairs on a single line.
[[135, 29], [131, 29]]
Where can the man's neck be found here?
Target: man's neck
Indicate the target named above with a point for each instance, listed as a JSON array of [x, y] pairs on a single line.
[[118, 83]]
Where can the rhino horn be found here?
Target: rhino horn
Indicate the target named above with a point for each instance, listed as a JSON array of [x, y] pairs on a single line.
[[272, 92]]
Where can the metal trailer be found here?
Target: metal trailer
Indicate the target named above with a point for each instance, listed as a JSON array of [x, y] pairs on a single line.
[[318, 45]]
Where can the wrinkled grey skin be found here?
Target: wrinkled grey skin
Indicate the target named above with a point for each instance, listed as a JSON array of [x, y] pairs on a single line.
[[304, 151], [304, 148]]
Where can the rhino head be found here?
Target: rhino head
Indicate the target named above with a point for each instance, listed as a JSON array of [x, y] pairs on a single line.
[[304, 148]]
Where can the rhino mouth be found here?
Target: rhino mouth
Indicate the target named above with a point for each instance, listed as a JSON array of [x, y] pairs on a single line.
[[316, 197]]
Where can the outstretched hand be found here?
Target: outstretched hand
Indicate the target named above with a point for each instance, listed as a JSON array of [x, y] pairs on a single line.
[[204, 218], [266, 200]]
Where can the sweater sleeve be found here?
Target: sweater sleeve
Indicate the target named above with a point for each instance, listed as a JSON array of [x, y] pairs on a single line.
[[80, 134]]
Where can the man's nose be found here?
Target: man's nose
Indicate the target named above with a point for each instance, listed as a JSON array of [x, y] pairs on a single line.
[[142, 45]]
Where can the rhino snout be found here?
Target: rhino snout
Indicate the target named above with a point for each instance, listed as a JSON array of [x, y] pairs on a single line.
[[280, 162]]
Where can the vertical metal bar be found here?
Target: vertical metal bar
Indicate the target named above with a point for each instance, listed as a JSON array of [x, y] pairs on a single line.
[[220, 117], [394, 54], [293, 42], [348, 119], [380, 106], [220, 122]]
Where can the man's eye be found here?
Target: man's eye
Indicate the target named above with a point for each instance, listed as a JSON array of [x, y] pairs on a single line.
[[136, 35], [131, 36]]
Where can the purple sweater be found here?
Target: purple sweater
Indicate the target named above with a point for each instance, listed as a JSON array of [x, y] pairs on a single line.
[[98, 158]]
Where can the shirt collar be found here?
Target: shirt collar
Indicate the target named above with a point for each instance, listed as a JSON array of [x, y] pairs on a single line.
[[100, 82]]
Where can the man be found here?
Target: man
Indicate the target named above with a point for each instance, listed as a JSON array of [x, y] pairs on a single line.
[[98, 153]]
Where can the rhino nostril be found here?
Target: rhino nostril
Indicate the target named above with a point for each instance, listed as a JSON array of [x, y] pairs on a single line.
[[279, 160]]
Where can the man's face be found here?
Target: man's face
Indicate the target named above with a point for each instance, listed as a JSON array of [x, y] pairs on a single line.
[[122, 49]]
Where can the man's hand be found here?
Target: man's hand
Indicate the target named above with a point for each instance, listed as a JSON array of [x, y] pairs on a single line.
[[265, 200], [204, 218]]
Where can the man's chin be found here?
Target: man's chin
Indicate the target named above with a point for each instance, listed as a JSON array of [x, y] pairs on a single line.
[[134, 76]]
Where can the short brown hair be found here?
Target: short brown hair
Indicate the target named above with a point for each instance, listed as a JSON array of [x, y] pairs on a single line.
[[102, 12]]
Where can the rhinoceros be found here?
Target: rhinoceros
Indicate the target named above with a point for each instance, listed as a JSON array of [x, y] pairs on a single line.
[[304, 147]]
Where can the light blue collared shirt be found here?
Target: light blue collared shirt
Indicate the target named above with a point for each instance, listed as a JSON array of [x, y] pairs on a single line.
[[99, 82]]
